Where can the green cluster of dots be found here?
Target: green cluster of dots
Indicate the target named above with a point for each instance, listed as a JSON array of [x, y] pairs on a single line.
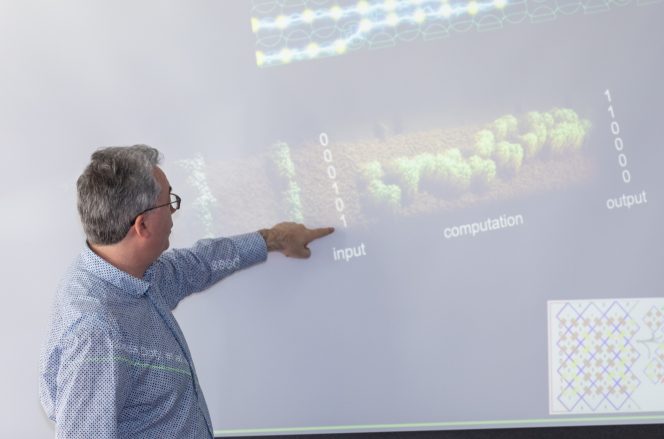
[[281, 157], [499, 149]]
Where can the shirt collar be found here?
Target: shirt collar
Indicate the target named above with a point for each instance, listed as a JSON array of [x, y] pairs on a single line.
[[113, 275]]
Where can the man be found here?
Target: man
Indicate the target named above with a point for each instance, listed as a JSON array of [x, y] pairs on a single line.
[[116, 364]]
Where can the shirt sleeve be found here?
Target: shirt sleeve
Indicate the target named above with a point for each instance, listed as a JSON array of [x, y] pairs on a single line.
[[180, 272], [93, 382]]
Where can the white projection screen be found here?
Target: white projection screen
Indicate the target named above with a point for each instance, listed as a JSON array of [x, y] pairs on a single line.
[[493, 169]]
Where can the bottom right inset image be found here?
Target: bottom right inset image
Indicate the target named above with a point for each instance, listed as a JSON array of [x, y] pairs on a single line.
[[606, 356]]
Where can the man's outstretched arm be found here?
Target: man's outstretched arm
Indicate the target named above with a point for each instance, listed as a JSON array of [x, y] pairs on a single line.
[[185, 271]]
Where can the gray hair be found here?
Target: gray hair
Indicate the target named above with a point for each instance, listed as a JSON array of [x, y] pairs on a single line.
[[117, 185]]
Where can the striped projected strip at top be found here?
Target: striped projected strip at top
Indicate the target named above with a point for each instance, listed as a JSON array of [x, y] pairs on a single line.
[[297, 30]]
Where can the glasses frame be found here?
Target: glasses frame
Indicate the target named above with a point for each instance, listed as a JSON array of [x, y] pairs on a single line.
[[177, 202]]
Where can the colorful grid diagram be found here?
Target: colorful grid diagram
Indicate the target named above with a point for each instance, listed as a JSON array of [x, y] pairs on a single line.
[[654, 321], [606, 356], [297, 30]]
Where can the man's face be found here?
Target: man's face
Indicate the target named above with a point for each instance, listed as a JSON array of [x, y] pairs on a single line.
[[160, 220]]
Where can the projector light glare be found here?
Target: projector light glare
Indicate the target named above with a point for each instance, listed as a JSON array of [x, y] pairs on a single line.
[[419, 16], [365, 25], [308, 16], [340, 47], [473, 8], [255, 24], [336, 12], [282, 22], [392, 19], [390, 5], [446, 10], [363, 7], [500, 4], [312, 50], [286, 56], [260, 58]]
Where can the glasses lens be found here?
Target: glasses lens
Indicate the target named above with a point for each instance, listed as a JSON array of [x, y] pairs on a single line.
[[175, 201]]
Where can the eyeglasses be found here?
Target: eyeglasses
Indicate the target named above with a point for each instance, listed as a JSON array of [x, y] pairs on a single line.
[[174, 204]]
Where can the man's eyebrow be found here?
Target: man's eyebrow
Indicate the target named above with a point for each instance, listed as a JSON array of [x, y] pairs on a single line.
[[170, 188]]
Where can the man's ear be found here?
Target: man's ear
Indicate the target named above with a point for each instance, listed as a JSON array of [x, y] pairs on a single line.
[[140, 227]]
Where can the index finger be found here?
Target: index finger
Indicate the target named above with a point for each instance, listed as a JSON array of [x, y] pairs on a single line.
[[318, 233]]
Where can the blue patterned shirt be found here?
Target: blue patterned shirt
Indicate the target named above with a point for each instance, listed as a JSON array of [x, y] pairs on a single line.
[[116, 364]]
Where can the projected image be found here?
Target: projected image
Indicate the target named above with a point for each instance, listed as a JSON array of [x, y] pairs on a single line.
[[361, 181], [493, 162], [467, 189], [304, 30], [606, 356], [493, 171]]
